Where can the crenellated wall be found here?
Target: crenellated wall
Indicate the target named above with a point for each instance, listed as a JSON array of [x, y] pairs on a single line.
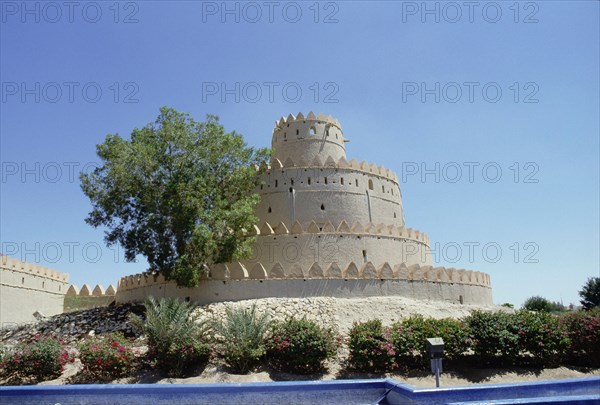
[[303, 137], [86, 297], [235, 281], [27, 288], [325, 244]]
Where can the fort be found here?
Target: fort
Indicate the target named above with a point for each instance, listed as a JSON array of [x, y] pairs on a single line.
[[328, 226]]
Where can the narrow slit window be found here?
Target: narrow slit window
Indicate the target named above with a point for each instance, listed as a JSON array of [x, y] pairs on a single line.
[[356, 181], [342, 181], [322, 207], [383, 189], [365, 258], [325, 180], [270, 210], [309, 180], [276, 182], [370, 184]]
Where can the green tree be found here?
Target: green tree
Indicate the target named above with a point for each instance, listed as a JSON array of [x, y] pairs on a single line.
[[590, 293], [541, 304], [179, 192]]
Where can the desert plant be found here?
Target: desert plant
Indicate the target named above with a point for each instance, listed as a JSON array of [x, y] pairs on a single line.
[[590, 293], [240, 336], [494, 336], [300, 345], [408, 338], [176, 339], [541, 304], [583, 330], [41, 360], [5, 356], [370, 348], [107, 357], [542, 340]]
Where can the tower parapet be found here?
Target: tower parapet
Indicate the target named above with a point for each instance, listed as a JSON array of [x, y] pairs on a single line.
[[303, 138]]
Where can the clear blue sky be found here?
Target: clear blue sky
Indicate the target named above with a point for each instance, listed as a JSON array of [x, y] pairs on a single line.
[[378, 68]]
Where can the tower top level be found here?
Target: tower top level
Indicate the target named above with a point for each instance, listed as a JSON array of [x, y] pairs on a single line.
[[306, 137], [309, 117]]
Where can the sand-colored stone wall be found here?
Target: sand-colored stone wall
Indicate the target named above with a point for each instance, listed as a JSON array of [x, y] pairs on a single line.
[[27, 288], [421, 285]]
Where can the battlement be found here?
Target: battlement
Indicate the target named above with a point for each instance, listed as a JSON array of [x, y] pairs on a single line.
[[10, 263], [283, 121], [258, 271], [87, 291], [357, 228], [330, 162]]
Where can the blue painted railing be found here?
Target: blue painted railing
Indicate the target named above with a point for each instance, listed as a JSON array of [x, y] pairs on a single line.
[[376, 391]]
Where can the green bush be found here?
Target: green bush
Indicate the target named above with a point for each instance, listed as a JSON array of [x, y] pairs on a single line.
[[240, 338], [5, 356], [583, 330], [494, 337], [370, 348], [408, 338], [300, 345], [542, 340], [541, 304], [41, 360], [177, 341], [107, 357]]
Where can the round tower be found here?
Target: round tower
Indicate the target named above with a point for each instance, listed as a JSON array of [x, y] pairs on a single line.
[[328, 226], [303, 138]]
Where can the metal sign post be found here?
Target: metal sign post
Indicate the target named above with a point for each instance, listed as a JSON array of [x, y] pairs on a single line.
[[435, 348]]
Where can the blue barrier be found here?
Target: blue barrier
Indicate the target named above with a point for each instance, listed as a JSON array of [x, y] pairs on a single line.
[[375, 391]]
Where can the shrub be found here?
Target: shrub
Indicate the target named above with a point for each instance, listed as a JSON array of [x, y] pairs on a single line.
[[408, 338], [541, 304], [4, 358], [590, 293], [583, 330], [542, 337], [494, 336], [176, 340], [300, 345], [241, 337], [107, 357], [370, 348], [43, 359]]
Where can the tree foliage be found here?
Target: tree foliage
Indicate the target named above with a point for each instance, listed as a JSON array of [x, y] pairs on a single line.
[[179, 192], [590, 293], [541, 304]]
